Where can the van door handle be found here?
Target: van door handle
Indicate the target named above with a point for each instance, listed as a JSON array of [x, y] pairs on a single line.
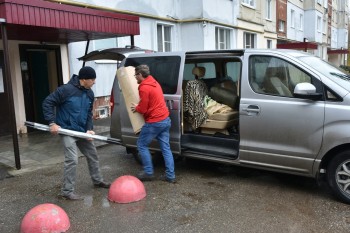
[[170, 103], [252, 110]]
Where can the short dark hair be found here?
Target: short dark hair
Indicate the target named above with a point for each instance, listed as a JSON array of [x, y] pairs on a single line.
[[143, 70]]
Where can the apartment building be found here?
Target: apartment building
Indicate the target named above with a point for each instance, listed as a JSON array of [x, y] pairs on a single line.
[[316, 26]]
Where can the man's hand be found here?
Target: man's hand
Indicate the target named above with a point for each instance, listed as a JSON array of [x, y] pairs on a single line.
[[90, 132], [133, 107], [54, 129]]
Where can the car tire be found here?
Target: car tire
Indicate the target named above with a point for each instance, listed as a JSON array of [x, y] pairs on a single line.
[[338, 176]]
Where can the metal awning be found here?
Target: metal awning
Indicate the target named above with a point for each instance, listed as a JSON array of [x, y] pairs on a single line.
[[43, 21], [298, 45], [337, 51], [38, 20]]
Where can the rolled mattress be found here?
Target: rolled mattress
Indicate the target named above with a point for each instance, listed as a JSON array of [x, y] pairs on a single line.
[[130, 91]]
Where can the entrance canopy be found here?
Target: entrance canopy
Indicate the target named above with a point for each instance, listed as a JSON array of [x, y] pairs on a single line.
[[50, 22], [298, 45], [337, 51], [38, 20]]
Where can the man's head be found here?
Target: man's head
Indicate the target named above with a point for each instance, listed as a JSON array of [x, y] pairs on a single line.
[[87, 76], [141, 72]]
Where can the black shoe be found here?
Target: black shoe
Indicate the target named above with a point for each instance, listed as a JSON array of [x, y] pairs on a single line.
[[164, 178], [71, 197], [102, 185], [145, 177]]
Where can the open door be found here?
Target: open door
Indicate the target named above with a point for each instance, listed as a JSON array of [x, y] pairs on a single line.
[[5, 128], [41, 75]]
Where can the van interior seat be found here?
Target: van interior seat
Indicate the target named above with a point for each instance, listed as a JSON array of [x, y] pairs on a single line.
[[198, 72], [216, 122], [274, 85]]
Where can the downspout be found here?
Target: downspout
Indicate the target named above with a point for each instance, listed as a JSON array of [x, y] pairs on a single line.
[[86, 49]]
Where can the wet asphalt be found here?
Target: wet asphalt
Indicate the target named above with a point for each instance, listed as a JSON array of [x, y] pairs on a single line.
[[207, 198]]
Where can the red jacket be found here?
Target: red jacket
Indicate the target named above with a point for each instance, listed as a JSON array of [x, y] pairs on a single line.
[[152, 105]]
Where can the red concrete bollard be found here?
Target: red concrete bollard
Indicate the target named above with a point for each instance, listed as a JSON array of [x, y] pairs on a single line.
[[45, 218], [126, 189]]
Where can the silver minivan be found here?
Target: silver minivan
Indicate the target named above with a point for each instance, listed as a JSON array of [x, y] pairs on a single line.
[[288, 111]]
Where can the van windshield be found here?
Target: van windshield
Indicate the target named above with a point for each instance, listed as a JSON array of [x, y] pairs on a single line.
[[336, 74]]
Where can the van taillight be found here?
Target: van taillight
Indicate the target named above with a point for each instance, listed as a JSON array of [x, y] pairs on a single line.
[[111, 102]]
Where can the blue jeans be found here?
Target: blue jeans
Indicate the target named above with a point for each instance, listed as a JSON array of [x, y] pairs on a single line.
[[160, 131]]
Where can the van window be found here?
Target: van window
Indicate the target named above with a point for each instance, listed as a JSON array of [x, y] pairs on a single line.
[[275, 76], [233, 70], [165, 69]]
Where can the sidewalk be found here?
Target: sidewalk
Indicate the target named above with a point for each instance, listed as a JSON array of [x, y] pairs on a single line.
[[38, 149]]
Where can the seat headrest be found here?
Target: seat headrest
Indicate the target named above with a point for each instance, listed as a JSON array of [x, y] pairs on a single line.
[[198, 71]]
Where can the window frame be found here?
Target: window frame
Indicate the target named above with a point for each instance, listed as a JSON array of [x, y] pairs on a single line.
[[249, 3], [252, 36], [268, 9], [226, 42], [281, 23], [162, 39]]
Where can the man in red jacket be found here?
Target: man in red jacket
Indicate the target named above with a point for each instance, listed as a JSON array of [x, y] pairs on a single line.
[[153, 108]]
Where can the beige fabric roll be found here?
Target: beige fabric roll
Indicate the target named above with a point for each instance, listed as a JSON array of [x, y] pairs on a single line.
[[129, 86]]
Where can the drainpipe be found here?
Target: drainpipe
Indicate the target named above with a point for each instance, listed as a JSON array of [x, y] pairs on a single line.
[[132, 41], [8, 81], [86, 49]]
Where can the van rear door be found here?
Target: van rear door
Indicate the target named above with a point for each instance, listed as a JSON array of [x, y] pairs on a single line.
[[167, 69]]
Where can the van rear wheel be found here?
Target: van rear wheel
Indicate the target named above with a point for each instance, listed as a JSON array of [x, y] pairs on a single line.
[[338, 176]]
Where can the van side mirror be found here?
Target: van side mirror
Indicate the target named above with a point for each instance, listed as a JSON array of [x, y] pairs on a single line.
[[306, 91]]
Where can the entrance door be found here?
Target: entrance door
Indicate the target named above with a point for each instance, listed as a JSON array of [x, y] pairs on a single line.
[[5, 128], [41, 75]]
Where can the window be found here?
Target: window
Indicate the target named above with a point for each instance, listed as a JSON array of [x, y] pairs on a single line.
[[164, 38], [105, 43], [292, 18], [301, 22], [233, 70], [165, 69], [324, 26], [249, 40], [274, 76], [318, 23], [222, 38], [281, 26], [268, 9], [269, 44], [249, 2]]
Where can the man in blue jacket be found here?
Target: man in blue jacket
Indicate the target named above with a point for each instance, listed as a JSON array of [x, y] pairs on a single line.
[[70, 107]]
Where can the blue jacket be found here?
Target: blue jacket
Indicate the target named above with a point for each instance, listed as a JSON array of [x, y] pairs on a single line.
[[70, 106]]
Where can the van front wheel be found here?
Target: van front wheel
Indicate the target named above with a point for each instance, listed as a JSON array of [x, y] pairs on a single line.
[[338, 176]]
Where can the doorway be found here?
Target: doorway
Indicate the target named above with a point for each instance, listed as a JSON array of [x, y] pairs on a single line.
[[41, 74], [5, 128]]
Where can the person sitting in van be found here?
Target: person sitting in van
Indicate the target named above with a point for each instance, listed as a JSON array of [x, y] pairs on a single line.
[[157, 125]]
